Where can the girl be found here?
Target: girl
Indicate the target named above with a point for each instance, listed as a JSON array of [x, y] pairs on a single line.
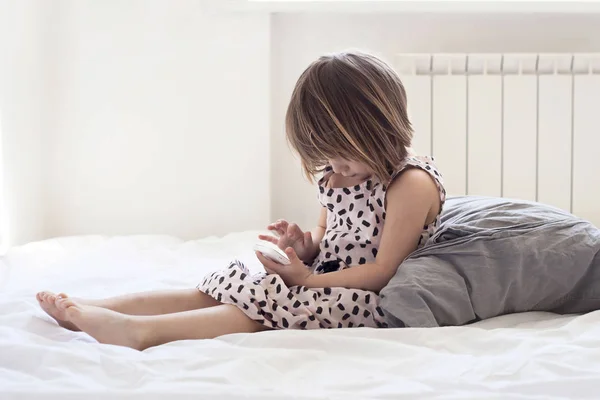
[[347, 118]]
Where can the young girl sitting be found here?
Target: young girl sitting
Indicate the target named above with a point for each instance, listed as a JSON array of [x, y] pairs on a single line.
[[348, 120]]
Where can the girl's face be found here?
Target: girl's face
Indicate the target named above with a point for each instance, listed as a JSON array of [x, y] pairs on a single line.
[[350, 169]]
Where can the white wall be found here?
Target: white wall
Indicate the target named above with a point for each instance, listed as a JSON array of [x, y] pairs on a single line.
[[123, 117], [299, 38], [22, 118], [159, 119]]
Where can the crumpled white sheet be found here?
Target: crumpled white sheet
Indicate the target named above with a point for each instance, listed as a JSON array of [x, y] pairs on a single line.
[[526, 356]]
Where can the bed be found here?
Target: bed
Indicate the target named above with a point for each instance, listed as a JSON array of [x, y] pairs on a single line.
[[520, 356]]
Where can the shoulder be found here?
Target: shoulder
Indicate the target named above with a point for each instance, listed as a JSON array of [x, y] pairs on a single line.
[[413, 181], [420, 175], [415, 190]]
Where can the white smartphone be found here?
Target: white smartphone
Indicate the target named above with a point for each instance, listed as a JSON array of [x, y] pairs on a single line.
[[272, 252]]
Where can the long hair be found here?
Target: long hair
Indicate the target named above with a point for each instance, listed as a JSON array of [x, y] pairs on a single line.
[[350, 105]]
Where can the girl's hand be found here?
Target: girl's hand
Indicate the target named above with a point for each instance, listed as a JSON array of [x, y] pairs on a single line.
[[290, 235], [293, 274]]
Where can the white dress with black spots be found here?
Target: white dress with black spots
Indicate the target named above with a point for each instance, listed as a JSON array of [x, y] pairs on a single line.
[[355, 218]]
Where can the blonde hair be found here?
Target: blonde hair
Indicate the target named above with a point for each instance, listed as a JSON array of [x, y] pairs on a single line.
[[353, 106]]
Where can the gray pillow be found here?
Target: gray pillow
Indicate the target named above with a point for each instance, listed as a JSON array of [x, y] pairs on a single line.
[[494, 256]]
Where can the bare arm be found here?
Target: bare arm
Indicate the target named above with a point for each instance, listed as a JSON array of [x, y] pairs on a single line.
[[412, 201], [318, 233]]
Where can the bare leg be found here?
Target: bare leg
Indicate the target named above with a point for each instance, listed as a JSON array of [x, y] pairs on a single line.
[[144, 303], [142, 332], [155, 302]]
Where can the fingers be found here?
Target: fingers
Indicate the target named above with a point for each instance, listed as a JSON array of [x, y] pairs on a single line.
[[268, 238], [280, 227], [291, 253], [283, 223], [275, 233], [308, 239], [294, 232]]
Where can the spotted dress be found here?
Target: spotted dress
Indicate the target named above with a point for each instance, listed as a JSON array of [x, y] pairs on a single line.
[[355, 218]]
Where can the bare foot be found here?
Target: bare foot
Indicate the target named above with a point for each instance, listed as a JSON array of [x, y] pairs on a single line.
[[48, 302], [104, 325]]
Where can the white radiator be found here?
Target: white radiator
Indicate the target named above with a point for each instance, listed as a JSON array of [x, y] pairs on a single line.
[[514, 125]]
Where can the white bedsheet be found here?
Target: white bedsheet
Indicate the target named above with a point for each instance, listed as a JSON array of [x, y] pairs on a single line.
[[527, 356]]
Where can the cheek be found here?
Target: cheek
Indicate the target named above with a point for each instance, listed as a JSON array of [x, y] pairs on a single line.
[[338, 166]]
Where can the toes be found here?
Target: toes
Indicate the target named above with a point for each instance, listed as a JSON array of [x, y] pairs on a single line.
[[47, 296], [65, 303]]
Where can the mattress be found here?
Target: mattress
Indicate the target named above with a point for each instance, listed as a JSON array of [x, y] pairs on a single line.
[[524, 356]]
